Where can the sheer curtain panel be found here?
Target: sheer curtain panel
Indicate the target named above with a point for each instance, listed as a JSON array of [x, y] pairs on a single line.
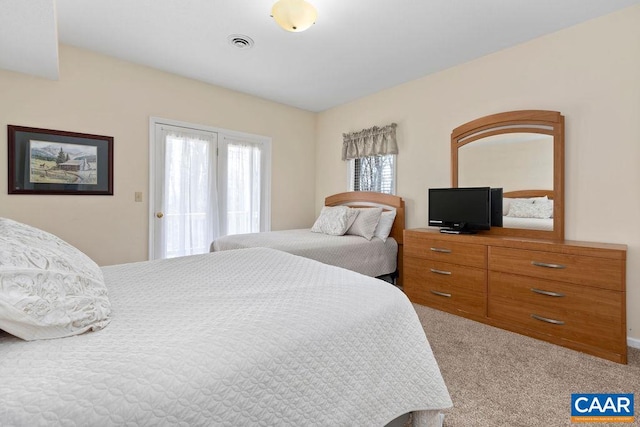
[[241, 163], [189, 192]]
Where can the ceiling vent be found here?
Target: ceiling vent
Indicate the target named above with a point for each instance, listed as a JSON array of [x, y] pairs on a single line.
[[240, 41]]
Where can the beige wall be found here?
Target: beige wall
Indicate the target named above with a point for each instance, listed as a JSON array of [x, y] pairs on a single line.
[[526, 165], [588, 72], [101, 95]]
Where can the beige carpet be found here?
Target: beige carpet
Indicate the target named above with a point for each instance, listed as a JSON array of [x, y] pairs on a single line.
[[499, 378]]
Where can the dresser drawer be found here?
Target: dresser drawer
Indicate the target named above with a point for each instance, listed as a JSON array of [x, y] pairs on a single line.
[[445, 286], [577, 313], [584, 270], [421, 246]]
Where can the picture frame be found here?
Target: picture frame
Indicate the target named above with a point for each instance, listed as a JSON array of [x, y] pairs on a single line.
[[45, 161]]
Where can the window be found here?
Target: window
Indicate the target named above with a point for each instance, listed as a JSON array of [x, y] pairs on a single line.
[[373, 173], [372, 157], [206, 183], [243, 165], [189, 207]]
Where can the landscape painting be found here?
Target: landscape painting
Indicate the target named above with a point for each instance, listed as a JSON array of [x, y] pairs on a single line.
[[48, 161], [63, 163]]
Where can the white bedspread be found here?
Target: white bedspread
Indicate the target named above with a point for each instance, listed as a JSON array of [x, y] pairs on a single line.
[[370, 257], [545, 224], [236, 338]]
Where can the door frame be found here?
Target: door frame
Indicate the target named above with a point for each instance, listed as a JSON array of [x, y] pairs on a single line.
[[266, 175]]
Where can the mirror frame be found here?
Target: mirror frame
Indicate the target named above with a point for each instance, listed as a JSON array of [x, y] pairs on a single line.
[[527, 121]]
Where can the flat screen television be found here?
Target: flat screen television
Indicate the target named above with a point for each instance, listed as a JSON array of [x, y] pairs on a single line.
[[496, 207], [460, 210]]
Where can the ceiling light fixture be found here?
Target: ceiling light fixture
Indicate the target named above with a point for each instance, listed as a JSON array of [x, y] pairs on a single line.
[[294, 15]]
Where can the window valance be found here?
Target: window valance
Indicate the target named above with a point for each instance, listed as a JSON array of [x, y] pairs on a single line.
[[375, 141]]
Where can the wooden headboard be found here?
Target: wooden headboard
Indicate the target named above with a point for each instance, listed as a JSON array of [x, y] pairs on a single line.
[[368, 199], [525, 194]]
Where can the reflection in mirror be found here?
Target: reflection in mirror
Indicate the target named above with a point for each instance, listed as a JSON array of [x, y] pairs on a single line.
[[514, 162], [521, 152]]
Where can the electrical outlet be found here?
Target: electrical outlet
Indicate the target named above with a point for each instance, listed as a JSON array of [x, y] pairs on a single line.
[[138, 196]]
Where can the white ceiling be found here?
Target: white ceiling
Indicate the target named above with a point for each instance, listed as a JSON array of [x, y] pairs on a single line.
[[356, 47]]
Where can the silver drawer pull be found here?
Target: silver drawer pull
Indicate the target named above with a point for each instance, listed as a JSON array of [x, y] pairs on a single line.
[[546, 319], [549, 293], [547, 265], [441, 250], [442, 294], [433, 270]]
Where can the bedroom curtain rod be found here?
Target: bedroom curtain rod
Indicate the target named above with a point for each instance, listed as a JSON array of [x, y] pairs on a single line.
[[374, 141]]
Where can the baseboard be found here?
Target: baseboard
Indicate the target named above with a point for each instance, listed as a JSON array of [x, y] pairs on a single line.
[[633, 342]]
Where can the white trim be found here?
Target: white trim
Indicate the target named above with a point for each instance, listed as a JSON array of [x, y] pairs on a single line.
[[633, 342], [395, 174], [152, 175], [350, 172]]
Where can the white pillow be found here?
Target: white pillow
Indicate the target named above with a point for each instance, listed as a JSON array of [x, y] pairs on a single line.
[[546, 200], [366, 222], [352, 214], [551, 204], [506, 202], [524, 209], [334, 220], [384, 225], [48, 288]]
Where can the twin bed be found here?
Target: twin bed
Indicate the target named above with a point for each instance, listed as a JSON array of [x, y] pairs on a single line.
[[375, 257], [528, 209], [233, 338]]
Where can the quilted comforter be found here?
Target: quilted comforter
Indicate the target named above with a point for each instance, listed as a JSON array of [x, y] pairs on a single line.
[[237, 338], [369, 257]]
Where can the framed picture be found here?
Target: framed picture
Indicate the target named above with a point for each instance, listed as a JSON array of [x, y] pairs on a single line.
[[44, 161]]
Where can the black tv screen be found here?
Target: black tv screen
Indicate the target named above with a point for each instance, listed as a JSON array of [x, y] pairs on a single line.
[[460, 210]]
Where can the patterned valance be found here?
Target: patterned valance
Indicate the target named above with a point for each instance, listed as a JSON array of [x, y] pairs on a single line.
[[375, 141]]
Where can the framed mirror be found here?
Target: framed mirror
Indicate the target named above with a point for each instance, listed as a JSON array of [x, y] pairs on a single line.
[[521, 152]]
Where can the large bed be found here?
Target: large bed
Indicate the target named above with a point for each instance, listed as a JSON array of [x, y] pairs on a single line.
[[373, 257], [233, 338]]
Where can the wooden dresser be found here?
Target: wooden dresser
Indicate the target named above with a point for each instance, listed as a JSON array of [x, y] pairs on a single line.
[[569, 293]]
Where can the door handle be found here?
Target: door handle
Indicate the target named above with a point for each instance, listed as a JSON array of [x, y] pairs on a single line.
[[159, 214]]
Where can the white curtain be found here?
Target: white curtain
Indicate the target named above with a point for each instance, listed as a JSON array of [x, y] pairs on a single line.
[[243, 193], [189, 196]]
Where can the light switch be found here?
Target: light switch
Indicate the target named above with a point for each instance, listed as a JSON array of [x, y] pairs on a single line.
[[138, 196]]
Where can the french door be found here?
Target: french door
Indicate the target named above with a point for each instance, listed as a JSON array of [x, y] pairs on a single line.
[[185, 196], [204, 183], [240, 165]]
